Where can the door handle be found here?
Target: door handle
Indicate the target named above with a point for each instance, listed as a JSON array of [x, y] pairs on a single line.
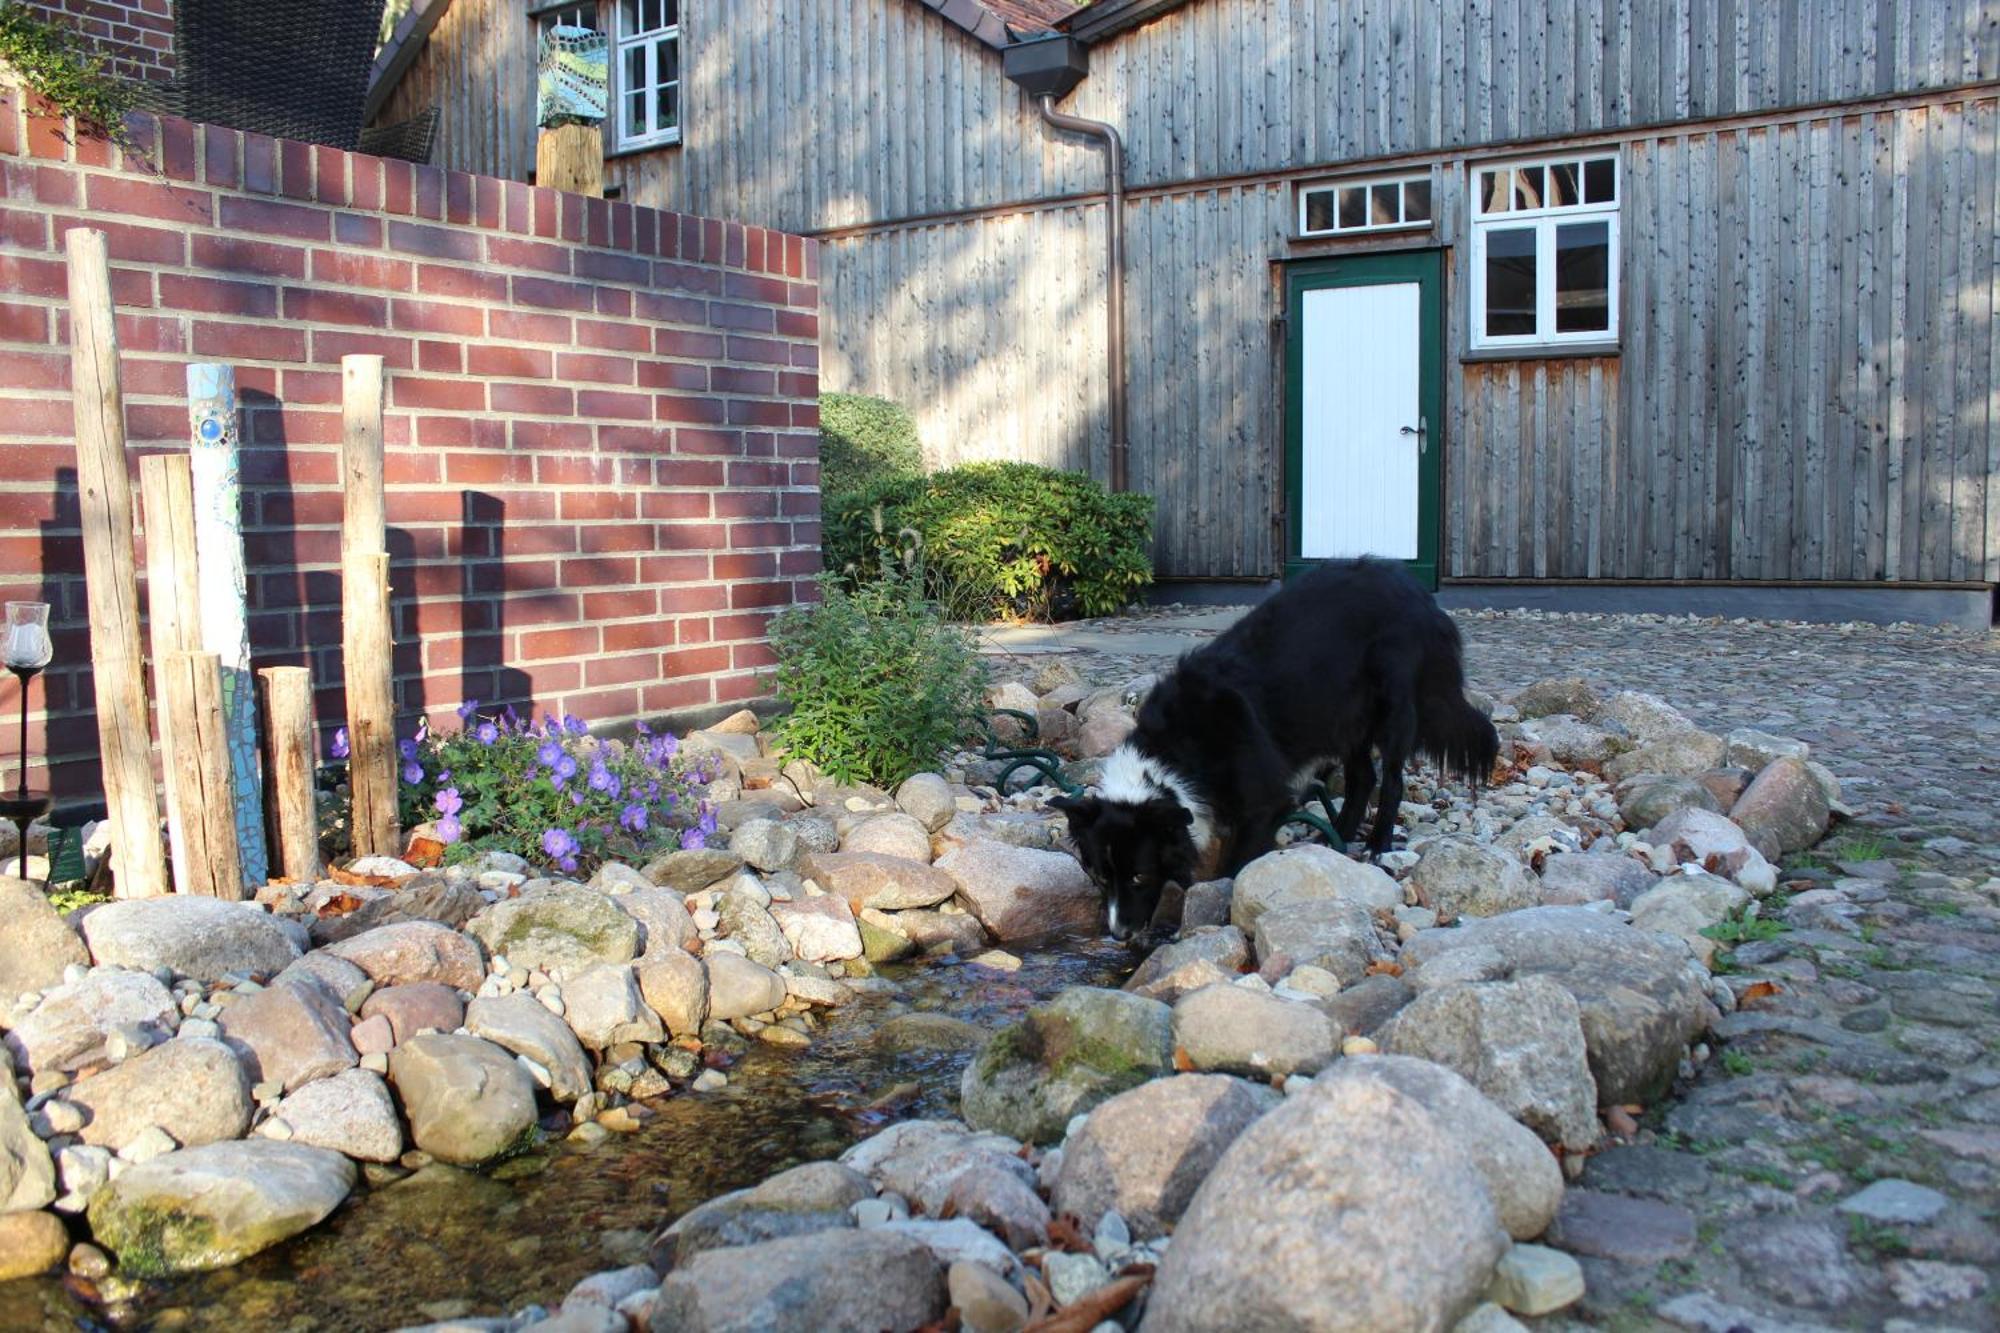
[[1421, 430]]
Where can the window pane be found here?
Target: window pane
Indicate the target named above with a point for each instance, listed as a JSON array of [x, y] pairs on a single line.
[[1417, 201], [1510, 281], [1527, 187], [1583, 277], [673, 12], [1354, 206], [670, 106], [1383, 210], [1562, 185], [670, 61], [635, 85], [1495, 190], [1600, 180], [1319, 210]]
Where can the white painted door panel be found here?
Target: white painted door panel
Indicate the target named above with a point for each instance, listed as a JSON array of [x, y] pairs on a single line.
[[1358, 483]]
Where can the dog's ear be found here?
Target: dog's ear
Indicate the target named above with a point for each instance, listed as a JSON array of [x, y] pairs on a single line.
[[1164, 812], [1081, 810]]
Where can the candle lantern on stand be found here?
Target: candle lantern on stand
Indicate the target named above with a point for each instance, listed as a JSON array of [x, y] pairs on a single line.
[[27, 649]]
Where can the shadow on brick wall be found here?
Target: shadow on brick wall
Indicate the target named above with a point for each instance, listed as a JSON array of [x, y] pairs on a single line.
[[483, 671]]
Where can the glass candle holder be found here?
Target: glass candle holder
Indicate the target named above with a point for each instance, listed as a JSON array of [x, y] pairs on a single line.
[[27, 648]]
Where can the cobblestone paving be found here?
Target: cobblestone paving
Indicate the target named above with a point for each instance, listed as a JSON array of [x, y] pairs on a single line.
[[1876, 1062]]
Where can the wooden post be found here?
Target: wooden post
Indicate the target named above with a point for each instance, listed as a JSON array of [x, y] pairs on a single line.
[[199, 754], [571, 157], [110, 574], [288, 770], [172, 594], [218, 539], [367, 642]]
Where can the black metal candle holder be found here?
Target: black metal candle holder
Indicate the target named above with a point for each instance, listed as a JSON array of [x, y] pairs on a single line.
[[24, 803]]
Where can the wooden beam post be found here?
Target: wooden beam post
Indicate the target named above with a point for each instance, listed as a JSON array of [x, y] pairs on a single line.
[[367, 641], [110, 573], [199, 754], [571, 158], [288, 771], [172, 594], [225, 630]]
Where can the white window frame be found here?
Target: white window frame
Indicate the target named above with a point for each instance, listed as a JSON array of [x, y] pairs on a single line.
[[1337, 184], [1544, 222], [650, 42], [544, 14]]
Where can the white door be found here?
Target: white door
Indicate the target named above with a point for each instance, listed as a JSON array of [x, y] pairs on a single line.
[[1361, 433]]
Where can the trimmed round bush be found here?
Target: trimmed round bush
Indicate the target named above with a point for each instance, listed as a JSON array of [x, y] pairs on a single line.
[[864, 441]]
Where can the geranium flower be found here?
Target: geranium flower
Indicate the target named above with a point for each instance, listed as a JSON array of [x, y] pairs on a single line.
[[549, 753], [487, 733], [558, 843], [407, 748], [449, 802], [413, 772], [467, 709], [448, 829], [693, 840], [633, 817], [575, 725], [566, 766], [339, 748]]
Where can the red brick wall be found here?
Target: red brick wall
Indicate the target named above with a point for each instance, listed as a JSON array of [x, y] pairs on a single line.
[[601, 420], [136, 35]]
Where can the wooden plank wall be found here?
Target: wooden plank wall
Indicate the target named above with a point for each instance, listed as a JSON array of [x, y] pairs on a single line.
[[1806, 385]]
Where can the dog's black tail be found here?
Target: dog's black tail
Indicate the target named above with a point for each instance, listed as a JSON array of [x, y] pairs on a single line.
[[1451, 733]]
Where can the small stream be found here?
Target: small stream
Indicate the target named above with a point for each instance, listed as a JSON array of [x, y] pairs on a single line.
[[444, 1243]]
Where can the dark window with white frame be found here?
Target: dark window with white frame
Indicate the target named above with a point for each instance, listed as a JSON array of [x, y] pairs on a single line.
[[577, 14], [646, 73], [1341, 207], [1545, 252]]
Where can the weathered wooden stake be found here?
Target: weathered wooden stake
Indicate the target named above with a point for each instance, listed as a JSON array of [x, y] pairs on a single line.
[[367, 643], [110, 573], [172, 594], [199, 753], [288, 770], [225, 630], [571, 157]]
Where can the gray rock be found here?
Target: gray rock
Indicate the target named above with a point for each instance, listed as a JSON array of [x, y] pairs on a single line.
[[809, 1198], [1680, 754], [194, 1088], [739, 988], [1536, 1280], [839, 1281], [1557, 695], [1647, 717], [897, 835], [1064, 1057], [675, 986], [1613, 1226], [934, 932], [818, 929], [928, 799], [1642, 999], [1654, 1173], [557, 930], [1332, 934], [414, 951], [602, 1005], [986, 1302], [427, 897], [216, 1205], [35, 943], [1021, 893], [1207, 904], [954, 1240], [664, 924], [1489, 1318], [1237, 1030], [1647, 798], [923, 1160], [1348, 1207], [1144, 1152], [885, 883], [692, 871], [1783, 810], [1800, 1262], [1521, 1174], [1572, 742], [1892, 1200], [1308, 873], [1538, 837], [335, 975], [415, 1006], [468, 1101], [290, 1035], [1685, 905], [350, 1113], [766, 844], [199, 937], [68, 1029], [999, 1200], [1705, 1314], [1519, 1042], [1706, 839], [1752, 749], [1925, 1284], [1576, 878], [1208, 954], [929, 1032], [27, 1173], [745, 921], [522, 1024], [1362, 1008], [1460, 877]]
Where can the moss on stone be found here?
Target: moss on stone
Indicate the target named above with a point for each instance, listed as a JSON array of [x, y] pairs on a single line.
[[153, 1242]]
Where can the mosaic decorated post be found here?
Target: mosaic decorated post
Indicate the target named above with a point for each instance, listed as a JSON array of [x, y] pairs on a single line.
[[572, 95], [218, 540]]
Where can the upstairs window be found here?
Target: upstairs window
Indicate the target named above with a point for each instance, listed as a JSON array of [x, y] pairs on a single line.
[[646, 73], [1337, 208], [574, 14], [1545, 252]]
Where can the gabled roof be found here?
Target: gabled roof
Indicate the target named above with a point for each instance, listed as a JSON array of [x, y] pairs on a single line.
[[997, 22], [1094, 23]]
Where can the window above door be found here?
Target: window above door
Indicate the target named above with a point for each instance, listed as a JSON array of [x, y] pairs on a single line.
[[1365, 204], [1545, 252]]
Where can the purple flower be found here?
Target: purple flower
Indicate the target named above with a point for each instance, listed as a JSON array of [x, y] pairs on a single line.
[[600, 777], [449, 802], [549, 753], [467, 709], [339, 748], [487, 733], [707, 821], [423, 728], [576, 798], [575, 725], [448, 829], [510, 717], [670, 745], [566, 766], [444, 775], [407, 748], [693, 840], [558, 843], [413, 772], [642, 728], [633, 817]]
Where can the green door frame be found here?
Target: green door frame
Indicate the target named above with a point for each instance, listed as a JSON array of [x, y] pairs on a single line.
[[1426, 269]]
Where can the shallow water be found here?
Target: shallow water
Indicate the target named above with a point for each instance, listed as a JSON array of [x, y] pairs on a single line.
[[444, 1242]]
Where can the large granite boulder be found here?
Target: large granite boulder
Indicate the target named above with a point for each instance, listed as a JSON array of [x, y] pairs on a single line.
[[813, 1197], [1784, 809], [1233, 1029], [216, 1205], [886, 883], [204, 938], [1461, 877], [69, 1028], [291, 1034], [414, 951], [194, 1088], [1063, 1057], [35, 942], [1308, 873], [522, 1024], [468, 1101], [1022, 893], [558, 929], [837, 1281]]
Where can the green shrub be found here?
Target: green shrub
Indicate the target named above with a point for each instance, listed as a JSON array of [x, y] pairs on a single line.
[[55, 62], [864, 441], [880, 684], [1000, 539]]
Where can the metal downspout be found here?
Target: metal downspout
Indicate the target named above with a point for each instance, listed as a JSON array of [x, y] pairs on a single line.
[[1114, 161]]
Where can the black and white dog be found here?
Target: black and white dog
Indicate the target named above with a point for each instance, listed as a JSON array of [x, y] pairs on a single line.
[[1348, 660]]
